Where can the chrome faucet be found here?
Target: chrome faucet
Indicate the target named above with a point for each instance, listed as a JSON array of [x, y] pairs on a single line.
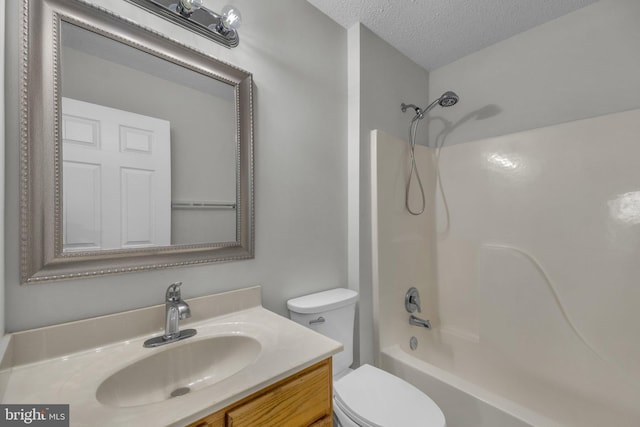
[[175, 310], [412, 304], [416, 321], [412, 300]]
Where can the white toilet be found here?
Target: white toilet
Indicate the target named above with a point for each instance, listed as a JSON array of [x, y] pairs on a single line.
[[367, 396]]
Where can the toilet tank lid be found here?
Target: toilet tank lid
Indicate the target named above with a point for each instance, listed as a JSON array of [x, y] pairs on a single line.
[[323, 301]]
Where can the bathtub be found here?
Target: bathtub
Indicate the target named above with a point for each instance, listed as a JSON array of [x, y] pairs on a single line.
[[477, 389], [463, 403]]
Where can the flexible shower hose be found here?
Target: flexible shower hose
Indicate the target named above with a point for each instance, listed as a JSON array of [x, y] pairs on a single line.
[[413, 129]]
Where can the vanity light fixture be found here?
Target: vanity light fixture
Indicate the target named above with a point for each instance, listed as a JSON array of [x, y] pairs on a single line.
[[193, 15]]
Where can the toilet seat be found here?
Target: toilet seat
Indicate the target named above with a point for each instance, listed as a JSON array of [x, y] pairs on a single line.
[[374, 398]]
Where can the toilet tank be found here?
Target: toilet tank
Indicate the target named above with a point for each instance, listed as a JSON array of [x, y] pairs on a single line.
[[331, 313]]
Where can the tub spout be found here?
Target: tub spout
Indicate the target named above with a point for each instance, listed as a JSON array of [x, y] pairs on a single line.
[[416, 321]]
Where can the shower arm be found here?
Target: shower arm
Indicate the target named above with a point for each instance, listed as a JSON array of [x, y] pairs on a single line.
[[419, 111]]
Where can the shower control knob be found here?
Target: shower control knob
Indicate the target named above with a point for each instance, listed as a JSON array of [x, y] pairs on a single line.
[[412, 301]]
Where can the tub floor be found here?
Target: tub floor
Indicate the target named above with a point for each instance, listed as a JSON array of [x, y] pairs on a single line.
[[512, 401]]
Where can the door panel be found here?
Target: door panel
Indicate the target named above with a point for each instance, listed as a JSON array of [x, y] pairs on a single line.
[[117, 178]]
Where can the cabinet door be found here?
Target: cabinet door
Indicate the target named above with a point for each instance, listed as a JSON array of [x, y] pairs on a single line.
[[303, 401], [325, 422], [214, 420]]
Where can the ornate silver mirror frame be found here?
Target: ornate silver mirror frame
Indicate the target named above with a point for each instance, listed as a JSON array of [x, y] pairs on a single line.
[[42, 256]]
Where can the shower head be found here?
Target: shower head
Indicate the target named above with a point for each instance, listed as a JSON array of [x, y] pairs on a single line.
[[448, 99]]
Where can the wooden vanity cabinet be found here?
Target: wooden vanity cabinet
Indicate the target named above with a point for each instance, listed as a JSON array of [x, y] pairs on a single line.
[[302, 400]]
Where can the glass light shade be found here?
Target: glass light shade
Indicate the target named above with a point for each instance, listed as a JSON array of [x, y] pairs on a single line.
[[231, 17], [191, 6]]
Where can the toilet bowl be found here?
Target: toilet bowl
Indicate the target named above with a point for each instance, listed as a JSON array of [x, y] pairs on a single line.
[[366, 396], [371, 397]]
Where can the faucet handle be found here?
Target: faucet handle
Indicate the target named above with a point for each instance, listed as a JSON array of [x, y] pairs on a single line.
[[173, 292], [412, 301]]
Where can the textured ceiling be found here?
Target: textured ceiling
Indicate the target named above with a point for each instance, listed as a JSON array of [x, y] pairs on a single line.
[[436, 32]]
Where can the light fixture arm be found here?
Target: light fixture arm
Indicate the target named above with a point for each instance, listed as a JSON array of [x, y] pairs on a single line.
[[192, 15]]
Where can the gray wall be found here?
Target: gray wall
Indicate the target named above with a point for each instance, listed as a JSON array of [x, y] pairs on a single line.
[[300, 161], [380, 79], [580, 65]]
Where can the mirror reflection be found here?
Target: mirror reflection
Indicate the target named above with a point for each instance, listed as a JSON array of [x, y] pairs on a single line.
[[150, 151]]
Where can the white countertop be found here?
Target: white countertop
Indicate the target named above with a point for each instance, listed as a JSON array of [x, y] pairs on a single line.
[[286, 348]]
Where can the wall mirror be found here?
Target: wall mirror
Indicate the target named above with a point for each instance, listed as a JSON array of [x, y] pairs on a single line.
[[136, 151]]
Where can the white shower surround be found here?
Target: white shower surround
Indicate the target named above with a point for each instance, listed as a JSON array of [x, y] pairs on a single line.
[[530, 287]]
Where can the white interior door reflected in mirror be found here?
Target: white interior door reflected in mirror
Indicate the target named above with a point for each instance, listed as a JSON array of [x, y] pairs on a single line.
[[117, 178]]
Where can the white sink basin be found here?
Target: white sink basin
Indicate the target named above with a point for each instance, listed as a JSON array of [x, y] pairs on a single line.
[[178, 369]]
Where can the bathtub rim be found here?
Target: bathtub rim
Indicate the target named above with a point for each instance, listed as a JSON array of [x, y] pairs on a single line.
[[513, 409]]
